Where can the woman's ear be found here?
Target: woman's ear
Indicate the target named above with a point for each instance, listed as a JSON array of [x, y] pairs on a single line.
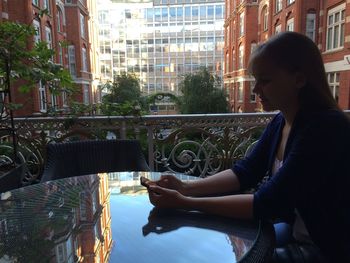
[[300, 79]]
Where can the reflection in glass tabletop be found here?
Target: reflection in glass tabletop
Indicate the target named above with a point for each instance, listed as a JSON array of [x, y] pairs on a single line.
[[108, 218]]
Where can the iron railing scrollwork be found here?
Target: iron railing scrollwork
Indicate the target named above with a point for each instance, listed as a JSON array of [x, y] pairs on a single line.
[[199, 145]]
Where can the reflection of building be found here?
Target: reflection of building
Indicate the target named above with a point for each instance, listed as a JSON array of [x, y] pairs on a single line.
[[250, 22], [63, 222], [93, 241], [160, 40]]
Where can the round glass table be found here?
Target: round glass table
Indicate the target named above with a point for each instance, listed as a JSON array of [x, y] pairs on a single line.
[[108, 218]]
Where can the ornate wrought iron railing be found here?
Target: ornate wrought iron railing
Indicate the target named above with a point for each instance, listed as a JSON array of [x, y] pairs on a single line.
[[200, 145]]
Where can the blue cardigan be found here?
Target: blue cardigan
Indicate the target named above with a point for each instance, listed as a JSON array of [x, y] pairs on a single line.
[[314, 178]]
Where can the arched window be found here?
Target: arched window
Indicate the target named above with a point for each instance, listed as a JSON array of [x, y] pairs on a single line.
[[233, 59], [241, 57], [264, 18], [59, 19]]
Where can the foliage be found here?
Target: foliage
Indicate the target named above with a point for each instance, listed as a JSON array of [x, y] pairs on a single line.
[[124, 97], [26, 66], [201, 94]]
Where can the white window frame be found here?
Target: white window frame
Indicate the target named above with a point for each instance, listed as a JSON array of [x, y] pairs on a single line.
[[82, 25], [335, 40], [86, 94], [35, 2], [48, 37], [47, 5], [37, 27], [54, 101], [84, 59], [278, 5], [265, 19], [241, 57], [59, 19], [334, 84], [278, 29], [290, 2], [240, 92], [72, 61], [64, 99], [42, 98], [290, 25], [311, 26], [241, 24]]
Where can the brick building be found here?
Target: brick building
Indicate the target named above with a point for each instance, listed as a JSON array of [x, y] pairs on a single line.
[[250, 22], [66, 22]]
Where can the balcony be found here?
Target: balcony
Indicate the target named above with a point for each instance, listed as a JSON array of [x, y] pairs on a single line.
[[199, 145]]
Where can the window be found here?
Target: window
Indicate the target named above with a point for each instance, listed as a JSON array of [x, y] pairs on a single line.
[[59, 20], [84, 57], [290, 25], [265, 19], [241, 24], [47, 5], [233, 60], [42, 98], [240, 57], [71, 59], [86, 96], [35, 2], [227, 63], [82, 25], [48, 37], [239, 91], [83, 207], [311, 25], [333, 81], [290, 2], [54, 103], [335, 27], [37, 36], [278, 6], [278, 29], [60, 55], [64, 251], [252, 94], [64, 99]]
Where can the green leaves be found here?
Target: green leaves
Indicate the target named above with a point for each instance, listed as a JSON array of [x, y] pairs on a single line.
[[29, 66], [202, 94], [124, 96]]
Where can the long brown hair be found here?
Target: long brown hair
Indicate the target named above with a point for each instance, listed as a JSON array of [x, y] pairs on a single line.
[[297, 53]]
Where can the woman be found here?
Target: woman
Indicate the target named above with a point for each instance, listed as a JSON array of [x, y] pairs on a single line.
[[302, 155]]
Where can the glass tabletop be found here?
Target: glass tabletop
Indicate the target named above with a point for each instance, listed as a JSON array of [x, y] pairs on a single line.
[[108, 218]]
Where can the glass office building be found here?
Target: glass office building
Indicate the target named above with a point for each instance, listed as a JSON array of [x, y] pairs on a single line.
[[160, 40]]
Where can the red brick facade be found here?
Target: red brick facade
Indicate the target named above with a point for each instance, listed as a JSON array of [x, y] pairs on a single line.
[[327, 22], [62, 24]]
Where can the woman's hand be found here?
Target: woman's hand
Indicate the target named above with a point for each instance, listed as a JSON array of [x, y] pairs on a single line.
[[162, 197], [171, 182]]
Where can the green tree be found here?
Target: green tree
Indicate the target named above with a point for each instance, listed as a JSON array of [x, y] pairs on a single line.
[[23, 67], [202, 94], [124, 96]]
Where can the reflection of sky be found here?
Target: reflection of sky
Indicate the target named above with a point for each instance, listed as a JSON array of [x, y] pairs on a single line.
[[186, 244]]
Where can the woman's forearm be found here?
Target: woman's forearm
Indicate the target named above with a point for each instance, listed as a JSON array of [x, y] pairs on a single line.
[[222, 182], [235, 206]]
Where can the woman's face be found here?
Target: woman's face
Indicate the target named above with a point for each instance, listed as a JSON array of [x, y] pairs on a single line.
[[276, 87]]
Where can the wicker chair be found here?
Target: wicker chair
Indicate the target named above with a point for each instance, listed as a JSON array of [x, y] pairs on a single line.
[[92, 156], [12, 179]]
